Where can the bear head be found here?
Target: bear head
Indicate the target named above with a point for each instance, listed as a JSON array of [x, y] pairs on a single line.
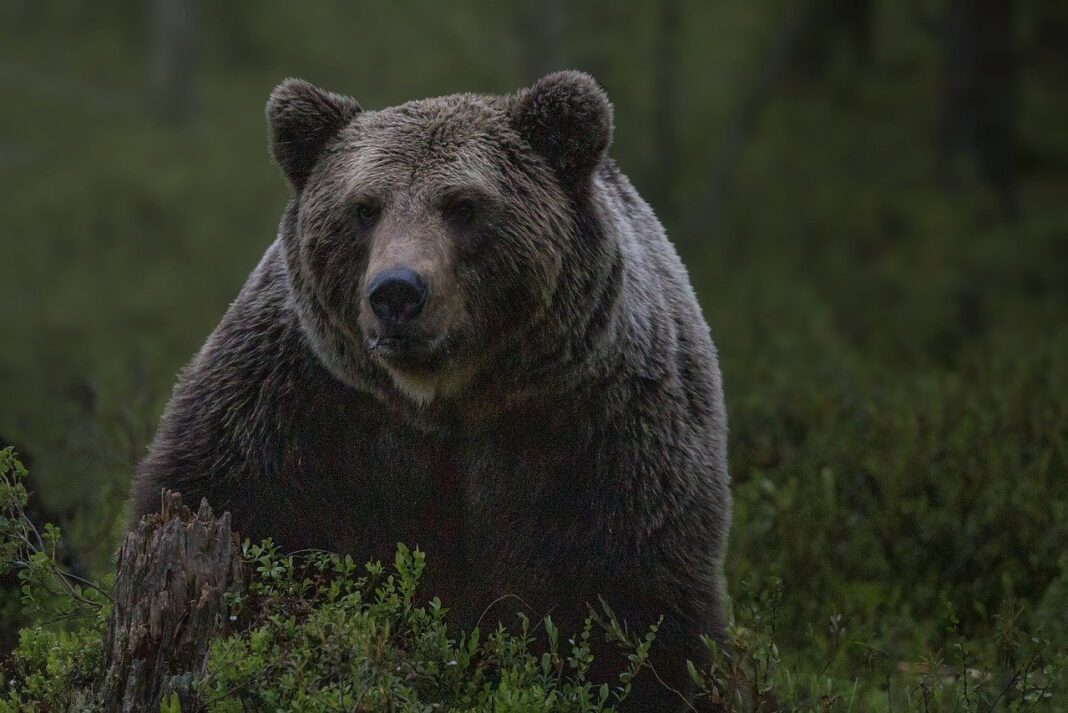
[[436, 250]]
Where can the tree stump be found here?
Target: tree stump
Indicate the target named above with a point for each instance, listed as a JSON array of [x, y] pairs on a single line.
[[173, 572]]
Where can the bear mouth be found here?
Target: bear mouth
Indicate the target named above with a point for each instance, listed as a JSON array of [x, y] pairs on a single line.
[[407, 352]]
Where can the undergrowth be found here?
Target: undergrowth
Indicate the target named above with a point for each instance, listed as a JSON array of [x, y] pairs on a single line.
[[320, 632]]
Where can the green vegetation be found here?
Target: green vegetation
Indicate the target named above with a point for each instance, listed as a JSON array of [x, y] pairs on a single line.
[[330, 639], [316, 632], [895, 351]]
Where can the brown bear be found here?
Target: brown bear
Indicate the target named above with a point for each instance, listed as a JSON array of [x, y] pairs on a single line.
[[471, 335]]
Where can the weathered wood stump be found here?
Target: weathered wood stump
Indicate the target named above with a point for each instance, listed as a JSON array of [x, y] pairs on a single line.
[[173, 572]]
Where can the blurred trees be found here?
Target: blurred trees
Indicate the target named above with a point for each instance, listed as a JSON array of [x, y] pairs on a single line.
[[173, 48], [540, 24], [832, 24], [980, 102], [666, 102]]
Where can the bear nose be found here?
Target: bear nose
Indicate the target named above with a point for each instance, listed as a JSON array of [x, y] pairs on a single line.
[[397, 296]]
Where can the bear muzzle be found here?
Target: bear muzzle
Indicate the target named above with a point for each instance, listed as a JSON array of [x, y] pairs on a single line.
[[403, 351], [397, 296]]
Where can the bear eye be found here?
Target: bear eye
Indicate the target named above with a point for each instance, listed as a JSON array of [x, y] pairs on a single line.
[[461, 211], [367, 212]]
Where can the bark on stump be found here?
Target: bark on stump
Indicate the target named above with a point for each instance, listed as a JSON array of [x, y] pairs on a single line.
[[173, 573]]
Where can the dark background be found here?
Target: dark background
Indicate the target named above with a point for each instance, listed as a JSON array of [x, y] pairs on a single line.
[[871, 196]]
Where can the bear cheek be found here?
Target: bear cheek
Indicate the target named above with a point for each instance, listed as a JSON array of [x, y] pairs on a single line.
[[331, 265], [450, 315], [533, 267], [495, 299]]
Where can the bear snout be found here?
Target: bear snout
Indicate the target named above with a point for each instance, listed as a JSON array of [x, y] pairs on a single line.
[[397, 296]]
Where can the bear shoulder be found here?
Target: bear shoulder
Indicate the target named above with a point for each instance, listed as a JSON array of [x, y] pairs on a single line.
[[227, 406]]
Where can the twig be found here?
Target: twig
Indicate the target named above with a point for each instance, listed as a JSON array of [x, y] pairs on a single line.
[[674, 690], [500, 599]]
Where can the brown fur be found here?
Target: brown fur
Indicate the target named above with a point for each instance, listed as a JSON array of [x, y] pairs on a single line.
[[558, 435]]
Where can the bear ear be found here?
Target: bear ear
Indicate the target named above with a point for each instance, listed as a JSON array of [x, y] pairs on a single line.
[[301, 120], [567, 118]]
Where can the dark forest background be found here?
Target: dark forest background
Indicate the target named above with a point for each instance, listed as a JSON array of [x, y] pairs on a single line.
[[871, 196]]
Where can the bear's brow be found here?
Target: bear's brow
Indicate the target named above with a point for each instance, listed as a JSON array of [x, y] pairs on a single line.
[[448, 144], [469, 190], [435, 150]]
